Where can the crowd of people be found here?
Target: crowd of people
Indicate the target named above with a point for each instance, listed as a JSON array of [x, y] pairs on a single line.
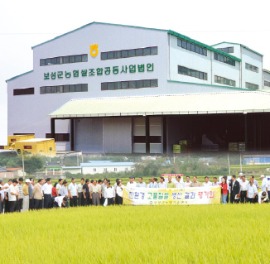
[[19, 195]]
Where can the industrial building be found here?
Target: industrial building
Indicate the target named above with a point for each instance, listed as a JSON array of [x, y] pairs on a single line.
[[107, 88]]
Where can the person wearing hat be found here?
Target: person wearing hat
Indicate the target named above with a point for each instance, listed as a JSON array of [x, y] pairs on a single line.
[[25, 190]]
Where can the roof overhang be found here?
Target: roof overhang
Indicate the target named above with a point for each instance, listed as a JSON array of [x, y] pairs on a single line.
[[181, 104]]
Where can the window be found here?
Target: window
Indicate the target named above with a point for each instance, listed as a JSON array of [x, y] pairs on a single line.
[[59, 136], [94, 169], [68, 88], [192, 47], [192, 73], [134, 84], [252, 67], [24, 91], [105, 169], [120, 54], [227, 49], [115, 169], [64, 60], [267, 83], [225, 81], [252, 86], [224, 59]]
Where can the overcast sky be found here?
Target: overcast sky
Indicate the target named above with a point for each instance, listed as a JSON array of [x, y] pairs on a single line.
[[24, 24]]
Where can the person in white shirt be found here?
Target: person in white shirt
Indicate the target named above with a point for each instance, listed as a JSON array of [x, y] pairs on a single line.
[[179, 183], [240, 175], [103, 190], [63, 191], [252, 191], [119, 193], [2, 196], [207, 183], [140, 183], [20, 196], [131, 183], [60, 201], [6, 190], [80, 193], [95, 193], [47, 192], [264, 183], [162, 183], [243, 189], [187, 182], [215, 182], [59, 185], [110, 194], [73, 193], [255, 181], [152, 183], [13, 196]]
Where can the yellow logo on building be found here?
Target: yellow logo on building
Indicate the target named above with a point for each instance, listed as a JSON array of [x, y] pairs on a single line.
[[94, 50]]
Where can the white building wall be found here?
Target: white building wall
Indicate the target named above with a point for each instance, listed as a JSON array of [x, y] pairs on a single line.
[[96, 170], [3, 117], [30, 113], [266, 79], [188, 59], [226, 71], [248, 75], [247, 56]]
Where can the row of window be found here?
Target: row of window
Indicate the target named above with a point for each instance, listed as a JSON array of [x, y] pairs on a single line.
[[252, 67], [252, 86], [120, 54], [129, 84], [69, 88], [24, 91], [225, 81], [62, 137], [224, 59], [227, 49], [191, 72], [267, 83], [191, 47], [64, 60]]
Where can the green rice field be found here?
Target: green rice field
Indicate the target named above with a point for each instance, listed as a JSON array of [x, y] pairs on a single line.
[[144, 234]]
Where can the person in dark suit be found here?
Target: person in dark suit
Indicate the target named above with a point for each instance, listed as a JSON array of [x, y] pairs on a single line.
[[235, 190]]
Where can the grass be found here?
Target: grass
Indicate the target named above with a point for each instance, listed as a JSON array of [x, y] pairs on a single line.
[[142, 234]]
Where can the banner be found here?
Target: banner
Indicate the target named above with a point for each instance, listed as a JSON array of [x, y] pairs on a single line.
[[172, 196]]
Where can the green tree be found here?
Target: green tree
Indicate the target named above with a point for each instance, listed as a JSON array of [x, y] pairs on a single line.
[[32, 164]]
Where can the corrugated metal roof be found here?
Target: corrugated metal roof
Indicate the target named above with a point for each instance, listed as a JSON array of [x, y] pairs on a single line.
[[203, 103]]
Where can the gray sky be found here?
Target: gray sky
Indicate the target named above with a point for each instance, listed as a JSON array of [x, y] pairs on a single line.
[[24, 24]]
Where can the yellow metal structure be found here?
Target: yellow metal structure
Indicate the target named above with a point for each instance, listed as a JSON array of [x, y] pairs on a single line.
[[14, 138], [36, 146]]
